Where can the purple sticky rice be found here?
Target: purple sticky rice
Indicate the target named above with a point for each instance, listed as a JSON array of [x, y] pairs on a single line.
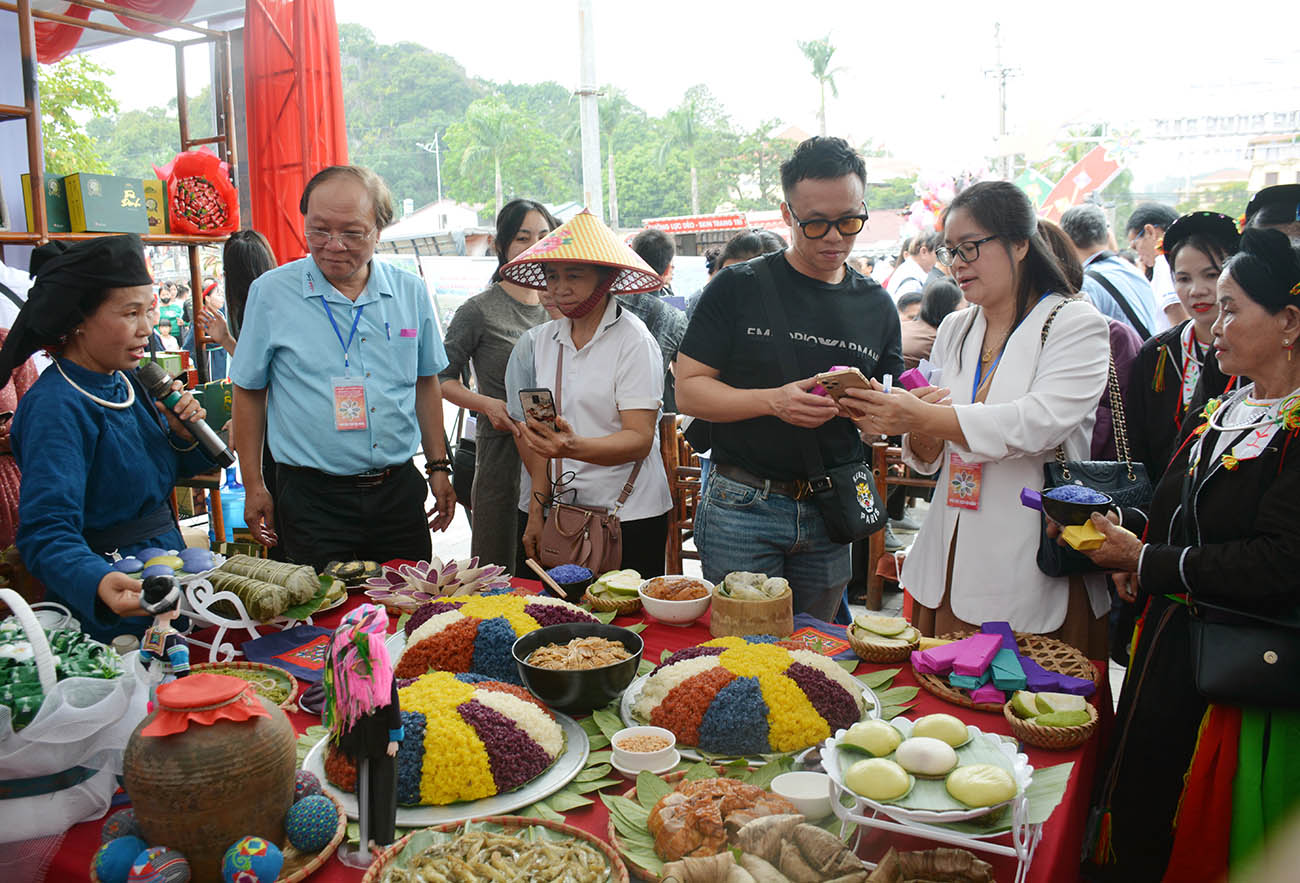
[[514, 757], [554, 614], [831, 700], [1075, 493], [425, 612], [689, 653]]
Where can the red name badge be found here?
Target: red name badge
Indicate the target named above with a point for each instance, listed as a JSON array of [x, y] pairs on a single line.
[[349, 404], [965, 481]]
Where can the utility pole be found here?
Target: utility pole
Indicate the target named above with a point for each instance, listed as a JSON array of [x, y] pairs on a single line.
[[589, 112], [436, 149], [1002, 73]]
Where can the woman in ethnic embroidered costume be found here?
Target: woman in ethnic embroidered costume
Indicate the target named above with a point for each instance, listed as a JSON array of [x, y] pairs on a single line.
[[1177, 370], [99, 460], [1224, 526]]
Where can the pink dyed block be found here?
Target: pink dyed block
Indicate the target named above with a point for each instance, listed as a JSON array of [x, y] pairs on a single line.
[[922, 664], [1004, 630], [988, 694], [938, 660], [976, 654]]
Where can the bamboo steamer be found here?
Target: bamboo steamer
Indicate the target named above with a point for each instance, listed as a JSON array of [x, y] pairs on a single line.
[[771, 616]]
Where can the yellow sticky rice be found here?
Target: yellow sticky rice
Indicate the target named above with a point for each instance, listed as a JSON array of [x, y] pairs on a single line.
[[753, 660], [792, 722], [509, 606], [456, 765]]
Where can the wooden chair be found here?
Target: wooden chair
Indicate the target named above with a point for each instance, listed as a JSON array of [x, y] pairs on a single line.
[[884, 456], [683, 469]]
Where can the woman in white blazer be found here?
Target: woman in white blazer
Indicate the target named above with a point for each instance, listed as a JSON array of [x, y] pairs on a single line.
[[1009, 398]]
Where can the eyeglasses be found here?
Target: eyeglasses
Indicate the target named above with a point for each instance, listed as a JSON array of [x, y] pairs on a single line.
[[849, 225], [322, 238], [968, 251]]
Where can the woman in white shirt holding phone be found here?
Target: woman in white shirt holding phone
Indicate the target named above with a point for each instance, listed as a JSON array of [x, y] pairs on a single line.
[[1010, 397]]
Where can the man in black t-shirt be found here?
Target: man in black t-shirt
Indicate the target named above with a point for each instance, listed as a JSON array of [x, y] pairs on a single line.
[[758, 514]]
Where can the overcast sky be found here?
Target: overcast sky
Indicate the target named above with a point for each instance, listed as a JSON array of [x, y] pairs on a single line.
[[913, 72]]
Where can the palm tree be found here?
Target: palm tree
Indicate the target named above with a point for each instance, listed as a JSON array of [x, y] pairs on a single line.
[[819, 52], [684, 133], [490, 124], [614, 108]]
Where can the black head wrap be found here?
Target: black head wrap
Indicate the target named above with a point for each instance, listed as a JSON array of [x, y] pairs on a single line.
[[69, 277], [1209, 231], [1280, 204]]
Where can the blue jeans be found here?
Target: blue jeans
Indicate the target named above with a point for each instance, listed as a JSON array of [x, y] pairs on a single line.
[[738, 527]]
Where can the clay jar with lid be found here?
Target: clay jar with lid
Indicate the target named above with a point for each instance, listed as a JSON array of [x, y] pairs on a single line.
[[214, 762]]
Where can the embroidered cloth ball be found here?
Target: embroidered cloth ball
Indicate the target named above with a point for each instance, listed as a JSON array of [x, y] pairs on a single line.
[[120, 824], [159, 864], [252, 860], [305, 784], [113, 860], [311, 822]]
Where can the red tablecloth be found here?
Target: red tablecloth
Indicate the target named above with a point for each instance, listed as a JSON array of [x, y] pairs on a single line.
[[1056, 861]]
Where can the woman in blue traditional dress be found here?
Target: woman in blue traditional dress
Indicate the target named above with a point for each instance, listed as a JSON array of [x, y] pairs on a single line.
[[99, 458]]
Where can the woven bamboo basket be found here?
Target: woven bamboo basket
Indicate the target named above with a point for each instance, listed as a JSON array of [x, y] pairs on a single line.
[[624, 607], [733, 616], [876, 653], [1051, 738], [617, 870], [253, 669], [1050, 653]]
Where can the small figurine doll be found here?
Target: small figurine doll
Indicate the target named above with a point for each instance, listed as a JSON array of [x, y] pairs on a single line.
[[365, 721], [161, 596]]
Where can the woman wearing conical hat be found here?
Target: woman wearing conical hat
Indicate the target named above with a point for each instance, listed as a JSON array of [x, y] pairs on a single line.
[[605, 373]]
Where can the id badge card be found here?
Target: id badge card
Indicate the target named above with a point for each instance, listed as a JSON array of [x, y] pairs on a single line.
[[965, 482], [349, 404]]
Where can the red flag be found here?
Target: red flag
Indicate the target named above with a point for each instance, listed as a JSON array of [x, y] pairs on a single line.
[[1093, 172]]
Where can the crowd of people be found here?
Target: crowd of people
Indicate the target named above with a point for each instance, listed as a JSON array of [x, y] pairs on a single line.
[[1042, 345]]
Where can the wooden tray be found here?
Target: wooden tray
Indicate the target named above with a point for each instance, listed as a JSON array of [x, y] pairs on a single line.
[[617, 870], [298, 866], [249, 671], [1051, 738], [1050, 653]]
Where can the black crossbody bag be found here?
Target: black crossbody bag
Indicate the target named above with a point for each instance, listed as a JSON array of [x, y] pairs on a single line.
[[845, 495]]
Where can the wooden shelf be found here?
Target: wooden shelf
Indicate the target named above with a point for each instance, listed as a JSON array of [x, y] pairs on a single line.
[[20, 238]]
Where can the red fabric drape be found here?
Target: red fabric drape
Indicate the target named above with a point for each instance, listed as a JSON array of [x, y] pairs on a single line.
[[54, 40], [294, 98]]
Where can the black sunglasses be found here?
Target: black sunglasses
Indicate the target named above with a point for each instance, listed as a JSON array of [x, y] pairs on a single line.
[[849, 225]]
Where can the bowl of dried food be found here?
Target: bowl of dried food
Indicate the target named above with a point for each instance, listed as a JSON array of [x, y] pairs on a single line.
[[578, 666]]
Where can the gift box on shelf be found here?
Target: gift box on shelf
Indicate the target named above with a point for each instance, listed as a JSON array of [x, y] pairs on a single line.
[[106, 204], [155, 205], [56, 204]]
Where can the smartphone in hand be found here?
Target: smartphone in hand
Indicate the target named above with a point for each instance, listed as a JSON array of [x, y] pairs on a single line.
[[836, 382], [539, 405]]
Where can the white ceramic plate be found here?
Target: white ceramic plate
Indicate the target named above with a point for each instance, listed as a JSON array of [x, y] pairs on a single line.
[[833, 761], [633, 693], [676, 759], [560, 773]]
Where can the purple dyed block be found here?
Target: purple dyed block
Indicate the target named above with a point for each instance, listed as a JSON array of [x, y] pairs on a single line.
[[1037, 678], [1004, 630], [1031, 499], [1074, 686], [976, 654], [988, 694]]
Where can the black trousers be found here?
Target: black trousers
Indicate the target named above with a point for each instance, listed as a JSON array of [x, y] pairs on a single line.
[[644, 543], [323, 518]]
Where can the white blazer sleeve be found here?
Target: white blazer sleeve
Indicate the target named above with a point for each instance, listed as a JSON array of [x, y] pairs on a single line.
[[1068, 381]]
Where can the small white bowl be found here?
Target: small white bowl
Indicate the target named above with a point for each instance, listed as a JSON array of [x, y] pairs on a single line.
[[809, 792], [676, 612], [633, 762]]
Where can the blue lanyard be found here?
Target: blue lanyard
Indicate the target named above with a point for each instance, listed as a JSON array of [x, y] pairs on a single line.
[[356, 317], [979, 373]]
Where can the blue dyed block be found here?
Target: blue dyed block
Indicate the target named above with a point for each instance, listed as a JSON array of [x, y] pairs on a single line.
[[969, 682], [1008, 674]]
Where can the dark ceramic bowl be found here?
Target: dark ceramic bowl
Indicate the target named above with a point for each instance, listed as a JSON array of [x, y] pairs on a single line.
[[573, 592], [1067, 514], [578, 690]]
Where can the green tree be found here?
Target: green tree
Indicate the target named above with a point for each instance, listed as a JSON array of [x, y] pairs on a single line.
[[819, 52], [615, 109], [74, 87], [1229, 199], [490, 126], [133, 142], [684, 134], [891, 194]]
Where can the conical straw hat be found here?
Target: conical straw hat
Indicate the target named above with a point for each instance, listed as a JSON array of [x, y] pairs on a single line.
[[583, 240]]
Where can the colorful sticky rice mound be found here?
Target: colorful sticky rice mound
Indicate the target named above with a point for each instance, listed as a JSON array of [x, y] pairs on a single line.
[[749, 696], [474, 633], [465, 739]]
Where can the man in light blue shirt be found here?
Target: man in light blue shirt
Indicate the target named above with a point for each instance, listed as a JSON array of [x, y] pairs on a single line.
[[1086, 226], [336, 369]]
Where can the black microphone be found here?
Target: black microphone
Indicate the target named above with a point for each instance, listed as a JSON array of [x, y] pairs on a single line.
[[159, 385]]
